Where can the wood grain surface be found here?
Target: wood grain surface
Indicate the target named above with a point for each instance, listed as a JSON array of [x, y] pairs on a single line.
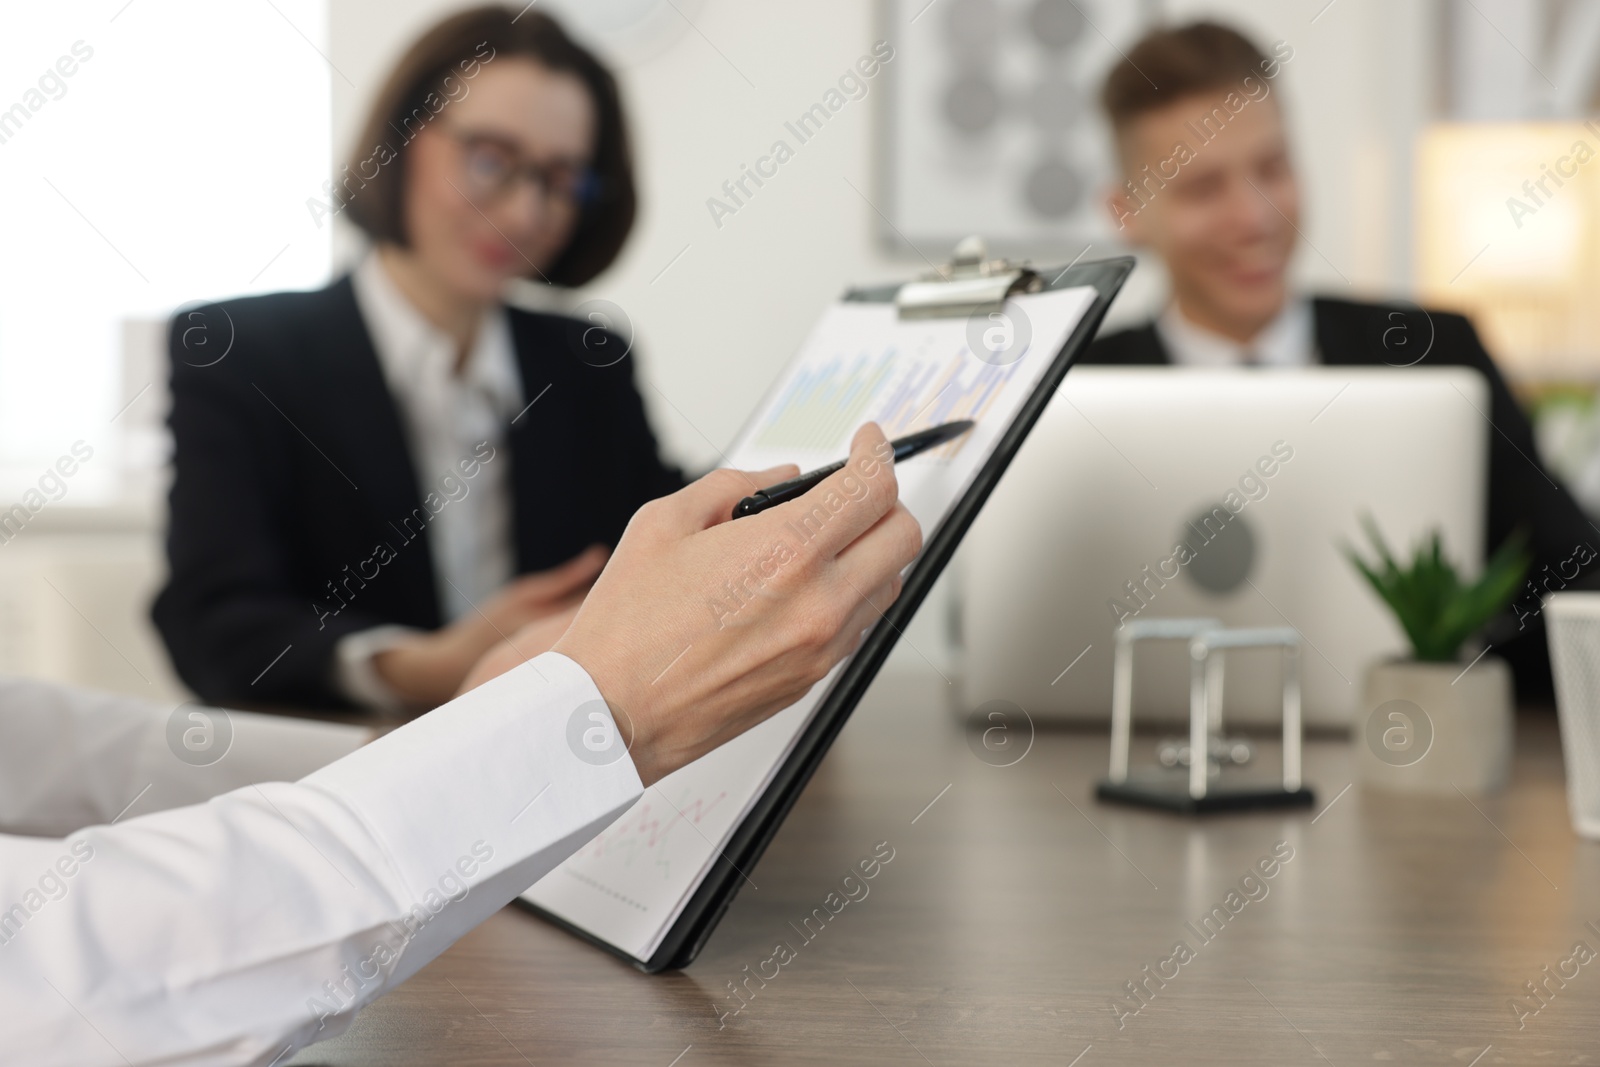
[[1016, 911]]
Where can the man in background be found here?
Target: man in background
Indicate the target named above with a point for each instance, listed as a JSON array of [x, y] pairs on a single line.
[[1209, 186]]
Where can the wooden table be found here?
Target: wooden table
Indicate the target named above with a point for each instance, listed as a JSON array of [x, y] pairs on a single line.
[[1016, 909]]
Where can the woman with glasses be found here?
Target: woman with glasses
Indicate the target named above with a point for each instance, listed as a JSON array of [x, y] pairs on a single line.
[[377, 481]]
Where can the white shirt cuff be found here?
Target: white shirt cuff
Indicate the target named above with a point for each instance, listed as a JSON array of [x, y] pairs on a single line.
[[356, 677], [493, 789]]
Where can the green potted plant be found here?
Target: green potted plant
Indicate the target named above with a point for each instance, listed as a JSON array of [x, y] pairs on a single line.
[[1438, 720]]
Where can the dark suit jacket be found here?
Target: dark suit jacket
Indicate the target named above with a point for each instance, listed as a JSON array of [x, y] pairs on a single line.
[[298, 515], [1521, 492]]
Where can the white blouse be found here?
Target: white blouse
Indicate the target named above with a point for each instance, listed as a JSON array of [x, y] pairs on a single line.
[[449, 420]]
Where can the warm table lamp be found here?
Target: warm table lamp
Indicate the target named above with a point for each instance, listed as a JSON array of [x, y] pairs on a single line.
[[1508, 231]]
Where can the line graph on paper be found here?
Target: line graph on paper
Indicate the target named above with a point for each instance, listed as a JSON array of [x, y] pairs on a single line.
[[647, 837], [819, 407]]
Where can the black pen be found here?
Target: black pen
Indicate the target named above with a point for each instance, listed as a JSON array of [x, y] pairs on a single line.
[[904, 448]]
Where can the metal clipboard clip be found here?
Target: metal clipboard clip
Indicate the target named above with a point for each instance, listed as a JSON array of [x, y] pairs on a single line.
[[970, 284]]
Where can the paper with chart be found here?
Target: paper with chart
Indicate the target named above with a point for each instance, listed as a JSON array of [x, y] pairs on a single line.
[[860, 364]]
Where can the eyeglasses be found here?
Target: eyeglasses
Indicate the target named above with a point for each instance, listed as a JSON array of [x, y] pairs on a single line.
[[491, 166]]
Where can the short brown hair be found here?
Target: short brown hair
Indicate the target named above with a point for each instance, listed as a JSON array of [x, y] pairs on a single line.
[[448, 50], [1177, 61]]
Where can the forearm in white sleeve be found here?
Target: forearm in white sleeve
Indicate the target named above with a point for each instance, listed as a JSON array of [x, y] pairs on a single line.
[[236, 931], [71, 758]]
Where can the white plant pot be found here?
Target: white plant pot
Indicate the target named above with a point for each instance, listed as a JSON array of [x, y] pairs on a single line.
[[1430, 728]]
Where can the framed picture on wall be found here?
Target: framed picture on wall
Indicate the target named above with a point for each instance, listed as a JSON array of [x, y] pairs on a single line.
[[992, 125]]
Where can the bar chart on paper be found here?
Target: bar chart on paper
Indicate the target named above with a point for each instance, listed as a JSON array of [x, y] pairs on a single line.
[[863, 363], [820, 406]]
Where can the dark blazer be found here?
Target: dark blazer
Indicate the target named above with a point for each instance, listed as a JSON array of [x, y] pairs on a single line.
[[298, 515], [1521, 492]]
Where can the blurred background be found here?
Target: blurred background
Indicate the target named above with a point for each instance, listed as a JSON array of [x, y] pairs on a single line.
[[174, 167]]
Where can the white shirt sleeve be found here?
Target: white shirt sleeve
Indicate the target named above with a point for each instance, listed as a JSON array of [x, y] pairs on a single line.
[[237, 931], [71, 758], [357, 677]]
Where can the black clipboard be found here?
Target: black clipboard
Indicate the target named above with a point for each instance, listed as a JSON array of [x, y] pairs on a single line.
[[974, 283]]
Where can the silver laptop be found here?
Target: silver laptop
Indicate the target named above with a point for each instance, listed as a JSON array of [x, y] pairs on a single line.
[[1162, 492]]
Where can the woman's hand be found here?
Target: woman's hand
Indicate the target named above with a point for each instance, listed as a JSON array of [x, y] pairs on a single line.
[[532, 640], [701, 627], [428, 669]]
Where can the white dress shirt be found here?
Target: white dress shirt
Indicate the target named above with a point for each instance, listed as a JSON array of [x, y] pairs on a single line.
[[448, 418], [1289, 340], [238, 930]]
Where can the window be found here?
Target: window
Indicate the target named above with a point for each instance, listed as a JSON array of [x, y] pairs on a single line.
[[153, 153]]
